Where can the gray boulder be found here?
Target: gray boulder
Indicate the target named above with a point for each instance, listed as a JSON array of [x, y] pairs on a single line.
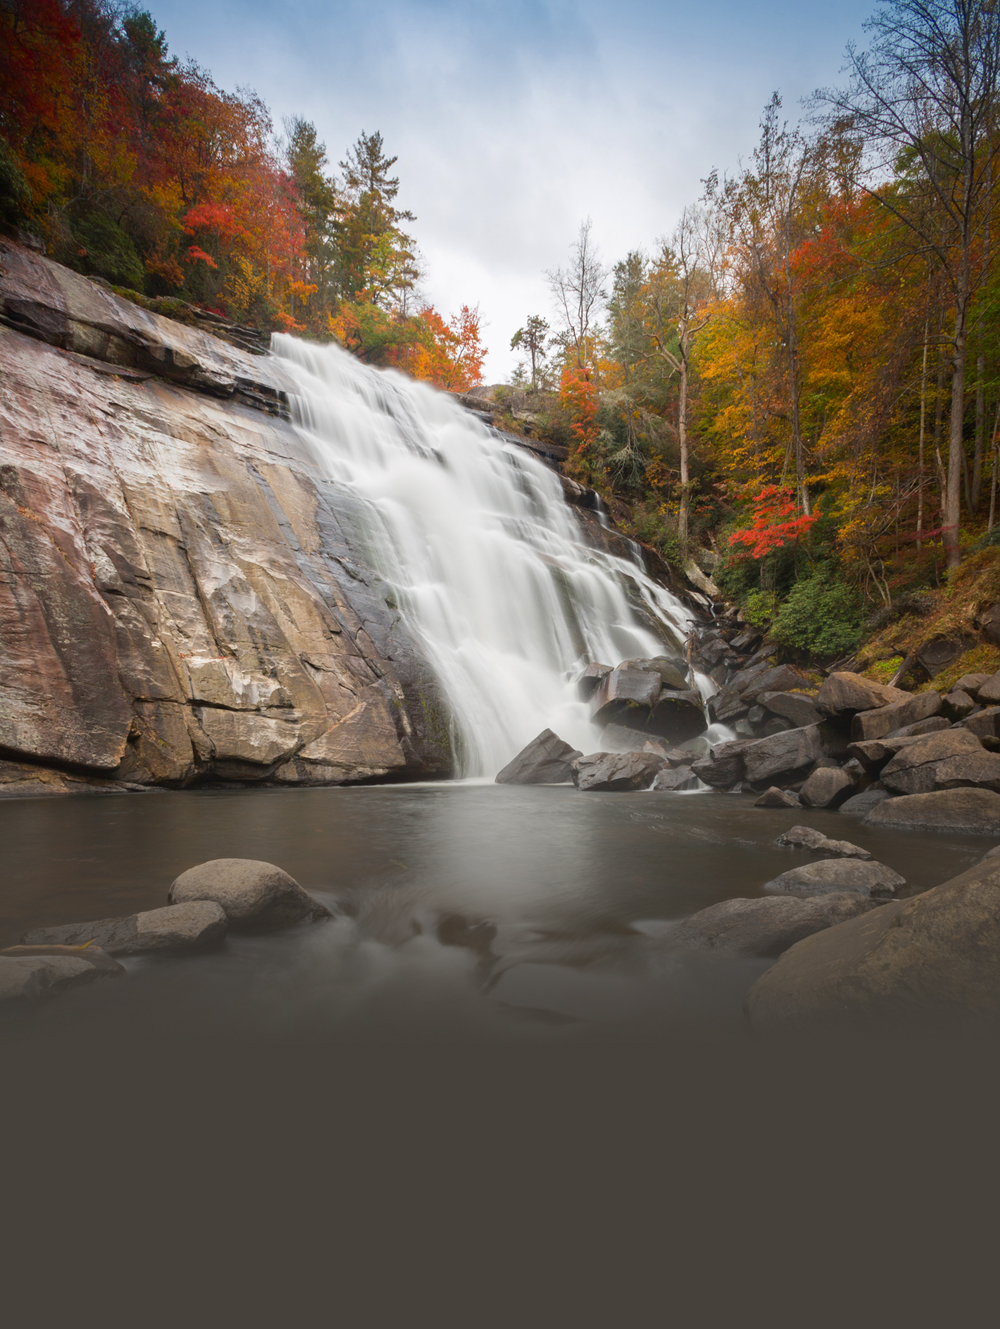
[[256, 897], [641, 687], [674, 778], [782, 755], [971, 683], [826, 788], [888, 719], [546, 760], [765, 927], [780, 678], [794, 706], [913, 769], [777, 798], [836, 874], [989, 692], [859, 805], [984, 724], [932, 725], [591, 679], [924, 966], [956, 705], [979, 770], [806, 837], [620, 738], [727, 705], [722, 768], [181, 927], [961, 811], [616, 772], [673, 673], [845, 694]]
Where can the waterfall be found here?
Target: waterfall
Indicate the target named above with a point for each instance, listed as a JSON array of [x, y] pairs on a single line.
[[484, 556]]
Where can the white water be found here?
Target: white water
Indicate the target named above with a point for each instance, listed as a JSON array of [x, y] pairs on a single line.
[[483, 553]]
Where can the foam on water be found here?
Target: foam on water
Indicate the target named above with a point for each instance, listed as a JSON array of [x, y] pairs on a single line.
[[485, 557]]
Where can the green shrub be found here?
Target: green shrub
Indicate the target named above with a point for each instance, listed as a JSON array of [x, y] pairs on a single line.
[[107, 251], [820, 615], [15, 196], [759, 607]]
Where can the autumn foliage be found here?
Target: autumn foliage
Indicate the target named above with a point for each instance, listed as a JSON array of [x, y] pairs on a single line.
[[135, 167]]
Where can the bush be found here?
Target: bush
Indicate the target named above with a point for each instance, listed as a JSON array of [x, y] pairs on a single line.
[[820, 615], [759, 607], [15, 196], [103, 249]]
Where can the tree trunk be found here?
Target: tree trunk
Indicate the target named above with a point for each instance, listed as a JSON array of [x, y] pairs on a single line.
[[956, 441], [923, 424], [682, 515]]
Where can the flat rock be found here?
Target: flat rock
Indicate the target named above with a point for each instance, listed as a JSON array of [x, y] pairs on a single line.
[[782, 754], [859, 805], [845, 693], [545, 760], [836, 874], [777, 798], [616, 772], [794, 706], [979, 770], [806, 837], [765, 927], [961, 811], [674, 778], [623, 685], [925, 966], [28, 978], [182, 927], [256, 896], [913, 769], [826, 788], [888, 719], [673, 673]]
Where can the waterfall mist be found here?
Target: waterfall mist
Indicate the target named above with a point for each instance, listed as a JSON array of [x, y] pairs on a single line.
[[485, 558]]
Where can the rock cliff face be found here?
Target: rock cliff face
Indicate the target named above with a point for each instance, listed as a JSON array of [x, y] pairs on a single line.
[[180, 595]]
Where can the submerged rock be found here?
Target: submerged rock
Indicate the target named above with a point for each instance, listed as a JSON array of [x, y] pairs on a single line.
[[765, 927], [836, 874], [25, 979], [256, 897], [545, 760], [805, 837], [859, 805], [924, 966], [962, 811], [617, 772], [778, 798]]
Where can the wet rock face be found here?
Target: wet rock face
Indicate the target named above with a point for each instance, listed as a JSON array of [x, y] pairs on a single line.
[[183, 594]]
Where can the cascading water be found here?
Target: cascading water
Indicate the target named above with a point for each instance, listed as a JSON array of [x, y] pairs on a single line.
[[483, 553]]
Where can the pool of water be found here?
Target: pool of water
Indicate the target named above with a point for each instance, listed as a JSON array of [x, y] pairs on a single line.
[[558, 902]]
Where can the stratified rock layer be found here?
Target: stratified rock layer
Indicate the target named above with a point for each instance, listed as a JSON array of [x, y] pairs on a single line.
[[183, 594]]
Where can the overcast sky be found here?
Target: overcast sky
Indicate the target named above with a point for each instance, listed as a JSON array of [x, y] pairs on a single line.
[[515, 119]]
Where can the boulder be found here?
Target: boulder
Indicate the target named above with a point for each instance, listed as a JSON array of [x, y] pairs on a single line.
[[934, 725], [971, 683], [780, 678], [765, 927], [256, 897], [844, 693], [27, 978], [92, 954], [591, 679], [960, 811], [676, 716], [828, 875], [782, 755], [722, 768], [545, 760], [727, 705], [777, 798], [826, 788], [912, 770], [674, 778], [673, 673], [956, 705], [638, 686], [941, 652], [925, 966], [980, 770], [888, 719], [620, 738], [182, 927], [859, 805], [989, 692], [745, 677], [984, 724], [794, 706], [806, 837], [616, 772]]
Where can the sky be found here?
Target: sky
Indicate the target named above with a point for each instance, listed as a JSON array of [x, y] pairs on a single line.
[[514, 120]]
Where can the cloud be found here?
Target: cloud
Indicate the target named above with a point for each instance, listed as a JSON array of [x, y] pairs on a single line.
[[514, 121]]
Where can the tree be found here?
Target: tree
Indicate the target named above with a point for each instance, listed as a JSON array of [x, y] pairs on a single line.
[[533, 338], [376, 257], [925, 96], [578, 292]]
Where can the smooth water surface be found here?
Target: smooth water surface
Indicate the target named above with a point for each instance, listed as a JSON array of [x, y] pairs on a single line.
[[579, 888]]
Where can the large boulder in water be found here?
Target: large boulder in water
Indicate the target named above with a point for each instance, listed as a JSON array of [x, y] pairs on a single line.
[[257, 897], [925, 966], [765, 927], [617, 772], [829, 875], [782, 756], [913, 770], [545, 760], [195, 926], [960, 811]]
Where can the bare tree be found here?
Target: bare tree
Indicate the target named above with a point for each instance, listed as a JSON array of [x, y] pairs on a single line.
[[925, 93], [578, 291]]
